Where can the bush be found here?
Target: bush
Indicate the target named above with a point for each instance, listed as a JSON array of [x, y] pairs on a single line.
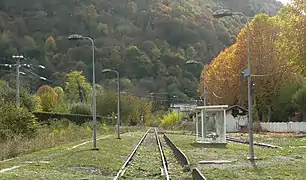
[[80, 108], [8, 95], [171, 119], [15, 121], [132, 107]]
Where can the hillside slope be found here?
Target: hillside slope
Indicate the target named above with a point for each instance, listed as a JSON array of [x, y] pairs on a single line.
[[148, 41]]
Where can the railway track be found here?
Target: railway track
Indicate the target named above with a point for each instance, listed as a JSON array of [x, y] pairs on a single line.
[[146, 161]]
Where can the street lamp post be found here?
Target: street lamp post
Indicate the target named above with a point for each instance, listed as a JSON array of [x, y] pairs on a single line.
[[94, 101], [204, 91], [247, 73], [118, 98]]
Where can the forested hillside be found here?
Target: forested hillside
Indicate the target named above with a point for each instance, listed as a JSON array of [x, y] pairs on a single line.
[[148, 41]]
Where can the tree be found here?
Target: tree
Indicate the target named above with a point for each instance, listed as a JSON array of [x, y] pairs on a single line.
[[285, 108], [48, 98], [269, 67], [60, 92], [292, 41], [141, 39], [77, 88], [299, 98], [8, 95]]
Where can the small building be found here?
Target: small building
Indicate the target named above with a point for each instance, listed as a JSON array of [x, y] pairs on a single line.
[[211, 124], [182, 108], [236, 118]]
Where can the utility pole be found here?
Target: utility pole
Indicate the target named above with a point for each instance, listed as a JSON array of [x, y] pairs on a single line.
[[18, 66], [242, 89], [18, 79], [247, 73]]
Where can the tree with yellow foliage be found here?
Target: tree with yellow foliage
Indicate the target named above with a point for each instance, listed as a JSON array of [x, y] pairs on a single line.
[[270, 68]]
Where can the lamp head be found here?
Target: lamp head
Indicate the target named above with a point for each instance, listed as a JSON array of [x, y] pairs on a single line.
[[75, 37], [106, 70], [41, 66], [192, 62]]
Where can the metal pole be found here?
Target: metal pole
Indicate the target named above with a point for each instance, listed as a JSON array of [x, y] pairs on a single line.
[[204, 103], [18, 79], [251, 143], [18, 82], [94, 109], [178, 114], [204, 91], [195, 117], [118, 104], [242, 89], [202, 124]]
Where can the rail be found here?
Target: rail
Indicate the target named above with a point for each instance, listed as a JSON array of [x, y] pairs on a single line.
[[165, 166], [182, 158], [131, 156]]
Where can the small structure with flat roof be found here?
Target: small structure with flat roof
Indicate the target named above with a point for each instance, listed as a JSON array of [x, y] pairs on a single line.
[[211, 124], [236, 119]]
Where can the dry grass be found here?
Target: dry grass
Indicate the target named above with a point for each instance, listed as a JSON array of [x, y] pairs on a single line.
[[48, 136]]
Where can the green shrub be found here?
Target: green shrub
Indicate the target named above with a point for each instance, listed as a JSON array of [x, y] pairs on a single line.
[[48, 102], [8, 95], [171, 119], [15, 121], [80, 108]]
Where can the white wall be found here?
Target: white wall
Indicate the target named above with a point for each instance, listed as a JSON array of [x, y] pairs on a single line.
[[284, 127], [232, 124]]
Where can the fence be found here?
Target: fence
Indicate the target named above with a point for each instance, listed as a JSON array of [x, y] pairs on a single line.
[[284, 127]]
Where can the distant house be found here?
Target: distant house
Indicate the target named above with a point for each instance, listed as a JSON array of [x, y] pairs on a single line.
[[182, 108], [236, 118]]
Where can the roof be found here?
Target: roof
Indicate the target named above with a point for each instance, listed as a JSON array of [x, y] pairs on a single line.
[[237, 106], [212, 107]]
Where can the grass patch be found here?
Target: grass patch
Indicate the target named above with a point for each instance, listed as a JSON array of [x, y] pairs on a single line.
[[78, 163], [279, 139], [275, 163], [47, 136]]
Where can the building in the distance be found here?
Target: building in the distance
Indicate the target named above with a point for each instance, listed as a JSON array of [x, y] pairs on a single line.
[[184, 108], [236, 119]]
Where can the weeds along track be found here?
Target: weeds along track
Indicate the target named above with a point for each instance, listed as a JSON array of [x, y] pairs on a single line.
[[147, 160]]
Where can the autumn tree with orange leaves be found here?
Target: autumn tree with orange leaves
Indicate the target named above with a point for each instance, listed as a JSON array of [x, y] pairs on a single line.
[[270, 67]]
